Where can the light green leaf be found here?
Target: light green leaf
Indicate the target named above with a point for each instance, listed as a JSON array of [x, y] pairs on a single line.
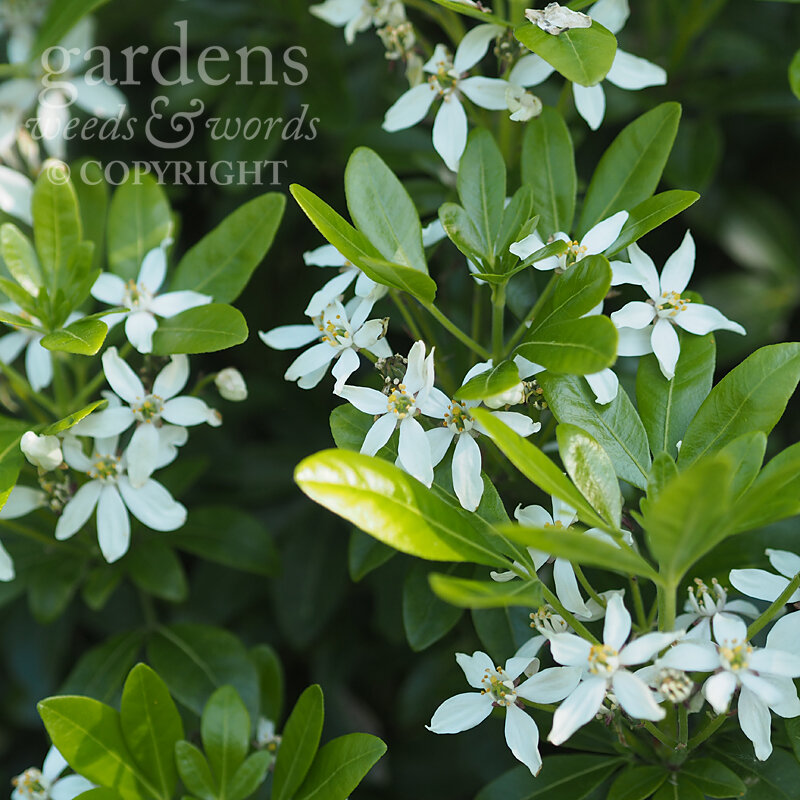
[[581, 55], [225, 731], [84, 337], [250, 775], [417, 284], [465, 593], [222, 262], [195, 771], [204, 329], [751, 397], [629, 171], [746, 454], [491, 383], [73, 419], [20, 258], [661, 473], [461, 231], [339, 767], [794, 74], [270, 678], [92, 191], [576, 292]]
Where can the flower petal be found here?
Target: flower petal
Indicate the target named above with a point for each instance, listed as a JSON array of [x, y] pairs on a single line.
[[522, 738], [760, 584], [666, 346], [645, 647], [38, 365], [530, 70], [604, 385], [604, 234], [611, 14], [475, 667], [99, 99], [632, 72], [316, 357], [729, 629], [692, 656], [570, 650], [590, 102], [370, 401], [635, 314], [414, 451], [288, 337], [617, 626], [69, 787], [16, 194], [700, 319], [773, 661], [567, 588], [101, 424], [719, 689], [7, 572], [633, 342], [380, 433], [142, 453], [467, 481], [109, 288], [578, 709], [474, 45], [519, 423], [410, 108], [113, 525], [121, 378], [550, 685], [22, 501], [755, 722], [460, 713], [450, 131], [78, 510], [635, 696], [347, 363], [487, 93], [679, 267], [152, 505], [439, 440], [139, 328], [785, 633], [186, 411], [153, 269], [535, 516]]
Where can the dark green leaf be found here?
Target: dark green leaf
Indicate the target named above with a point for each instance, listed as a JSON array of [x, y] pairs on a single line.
[[204, 329], [637, 783], [225, 730], [426, 618]]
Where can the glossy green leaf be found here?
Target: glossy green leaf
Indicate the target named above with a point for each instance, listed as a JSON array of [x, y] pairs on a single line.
[[774, 779], [382, 210], [491, 383], [637, 783], [299, 744], [515, 215], [794, 74], [395, 508], [250, 775], [417, 284], [339, 767], [93, 197], [67, 422], [713, 778], [61, 17], [678, 787], [548, 166], [270, 679], [222, 262], [195, 771], [581, 55], [592, 472], [751, 397], [84, 337], [365, 554], [225, 731], [472, 11], [629, 171], [426, 618], [661, 473], [747, 455], [668, 406], [20, 258], [155, 569], [461, 231], [616, 425], [151, 726], [204, 329], [466, 593]]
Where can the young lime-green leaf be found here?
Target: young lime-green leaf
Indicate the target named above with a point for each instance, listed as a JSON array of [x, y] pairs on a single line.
[[84, 337], [461, 231], [382, 209], [637, 783], [195, 771], [139, 220], [299, 744], [668, 406], [466, 593], [20, 258], [751, 397], [89, 736], [591, 471], [204, 329], [581, 55], [250, 775], [73, 419], [616, 425], [548, 167], [794, 74], [629, 171], [426, 618], [536, 466], [491, 383], [395, 508], [339, 766], [225, 731], [555, 248], [416, 283], [713, 778], [222, 262], [151, 726], [16, 321]]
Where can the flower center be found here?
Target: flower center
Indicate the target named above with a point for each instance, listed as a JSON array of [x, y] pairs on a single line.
[[546, 621], [458, 418], [736, 656], [149, 410], [575, 252], [674, 684], [136, 297], [603, 659], [400, 402], [336, 334], [105, 468], [31, 784], [497, 684], [556, 524], [706, 601], [671, 304]]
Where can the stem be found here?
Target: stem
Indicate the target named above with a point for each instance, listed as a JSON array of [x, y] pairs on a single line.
[[666, 607], [413, 328], [662, 737], [683, 725], [711, 727], [477, 308], [60, 385], [498, 317], [24, 390], [774, 608], [584, 581], [449, 22], [638, 603], [450, 326], [523, 326], [577, 626]]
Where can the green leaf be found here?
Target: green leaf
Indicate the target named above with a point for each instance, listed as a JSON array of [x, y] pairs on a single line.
[[426, 619], [616, 426], [417, 284], [482, 187], [678, 787], [20, 258], [365, 554], [713, 778], [581, 55], [383, 210], [67, 422], [794, 74], [395, 508], [465, 593], [582, 549], [515, 215], [151, 726], [668, 406], [591, 471], [746, 454], [474, 12], [649, 214], [229, 536], [340, 766], [548, 166], [270, 679], [195, 771], [536, 466], [89, 736], [139, 220], [793, 732], [491, 383], [225, 731], [573, 777], [204, 329], [299, 744], [156, 570], [61, 18], [52, 583], [774, 779], [751, 397], [661, 473], [194, 660], [250, 775], [84, 337], [222, 262], [629, 171], [637, 783], [92, 191], [461, 231]]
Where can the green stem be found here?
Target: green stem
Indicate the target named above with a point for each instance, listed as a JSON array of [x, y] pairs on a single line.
[[449, 22], [577, 626], [662, 737], [477, 309], [774, 608], [413, 328], [450, 326], [683, 725], [525, 324], [60, 385], [666, 607], [498, 318], [584, 581], [710, 728], [23, 389], [638, 603]]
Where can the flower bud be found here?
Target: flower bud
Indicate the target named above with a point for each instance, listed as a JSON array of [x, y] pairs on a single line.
[[42, 451], [231, 385], [511, 397]]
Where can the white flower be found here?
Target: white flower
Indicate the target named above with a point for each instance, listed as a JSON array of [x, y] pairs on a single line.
[[149, 410], [18, 22], [763, 585], [356, 16], [648, 327], [522, 105], [627, 71], [142, 300], [112, 493], [703, 606], [41, 451], [266, 736], [21, 501], [231, 385], [339, 338], [45, 783], [556, 19], [398, 410], [458, 423], [38, 361], [604, 670], [764, 676], [498, 688], [16, 189], [366, 289], [447, 80]]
